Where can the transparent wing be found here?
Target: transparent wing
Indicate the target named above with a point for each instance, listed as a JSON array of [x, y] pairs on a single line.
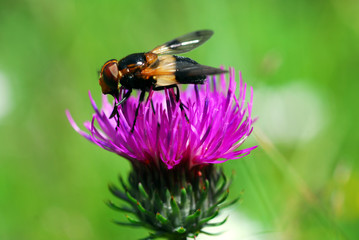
[[165, 65], [184, 43]]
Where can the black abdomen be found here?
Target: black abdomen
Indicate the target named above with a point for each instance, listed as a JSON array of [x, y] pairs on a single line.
[[184, 74]]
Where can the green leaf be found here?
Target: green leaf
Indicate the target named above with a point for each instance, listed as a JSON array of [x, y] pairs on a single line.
[[158, 204], [183, 197], [193, 217], [123, 184], [168, 195], [128, 224], [222, 187], [175, 208], [230, 203], [162, 219], [141, 208], [190, 197], [180, 230], [145, 212], [122, 209], [211, 234], [132, 220], [205, 220], [154, 235], [115, 191], [219, 201], [131, 199], [218, 223], [142, 191], [203, 196]]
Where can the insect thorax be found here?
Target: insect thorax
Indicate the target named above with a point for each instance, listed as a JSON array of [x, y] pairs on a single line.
[[132, 61]]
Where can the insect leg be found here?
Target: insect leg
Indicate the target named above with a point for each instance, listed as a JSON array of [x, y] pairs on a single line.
[[140, 100], [182, 106], [153, 107], [177, 93], [149, 98], [127, 95], [115, 111]]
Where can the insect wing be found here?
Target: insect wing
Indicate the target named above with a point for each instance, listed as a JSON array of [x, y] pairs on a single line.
[[188, 73], [191, 69], [166, 65], [184, 43], [168, 71]]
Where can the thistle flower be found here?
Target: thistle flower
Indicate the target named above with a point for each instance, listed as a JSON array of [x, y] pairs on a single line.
[[217, 126], [174, 187]]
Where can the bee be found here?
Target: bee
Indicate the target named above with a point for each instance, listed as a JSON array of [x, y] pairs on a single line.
[[156, 70]]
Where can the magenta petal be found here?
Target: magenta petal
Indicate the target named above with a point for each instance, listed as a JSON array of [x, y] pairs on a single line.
[[75, 127]]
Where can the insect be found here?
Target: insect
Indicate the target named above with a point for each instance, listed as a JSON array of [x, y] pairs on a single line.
[[156, 70]]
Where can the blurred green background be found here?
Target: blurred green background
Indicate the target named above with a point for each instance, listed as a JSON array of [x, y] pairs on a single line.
[[301, 57]]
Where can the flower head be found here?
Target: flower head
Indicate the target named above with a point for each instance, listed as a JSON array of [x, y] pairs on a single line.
[[218, 123], [174, 188]]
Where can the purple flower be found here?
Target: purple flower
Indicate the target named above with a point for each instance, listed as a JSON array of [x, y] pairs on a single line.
[[219, 122]]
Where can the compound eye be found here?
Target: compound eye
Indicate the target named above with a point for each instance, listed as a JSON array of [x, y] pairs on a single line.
[[110, 73], [109, 77]]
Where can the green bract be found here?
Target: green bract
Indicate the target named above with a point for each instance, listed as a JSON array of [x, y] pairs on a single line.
[[174, 204]]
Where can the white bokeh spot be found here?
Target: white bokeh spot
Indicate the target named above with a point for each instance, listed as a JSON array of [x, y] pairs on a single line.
[[290, 113], [237, 227], [5, 103]]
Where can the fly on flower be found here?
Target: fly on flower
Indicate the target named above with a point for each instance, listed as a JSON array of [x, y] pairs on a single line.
[[156, 70]]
